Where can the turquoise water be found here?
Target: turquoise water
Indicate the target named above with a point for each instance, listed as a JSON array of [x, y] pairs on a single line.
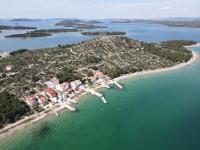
[[154, 112]]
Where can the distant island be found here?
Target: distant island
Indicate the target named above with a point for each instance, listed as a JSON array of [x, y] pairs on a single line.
[[121, 21], [103, 33], [94, 22], [25, 19], [79, 24], [41, 33], [187, 24], [170, 22], [48, 79], [6, 27]]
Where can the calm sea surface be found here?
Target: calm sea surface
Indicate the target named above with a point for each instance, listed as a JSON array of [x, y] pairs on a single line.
[[154, 112], [139, 31]]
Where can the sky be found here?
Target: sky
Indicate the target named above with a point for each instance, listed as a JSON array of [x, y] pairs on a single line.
[[99, 9]]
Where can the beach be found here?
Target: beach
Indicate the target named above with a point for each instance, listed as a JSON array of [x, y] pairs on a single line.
[[178, 66], [27, 121]]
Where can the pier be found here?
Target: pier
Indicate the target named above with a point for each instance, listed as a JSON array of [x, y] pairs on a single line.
[[104, 100], [105, 85], [98, 95], [73, 101], [70, 108], [116, 84], [56, 113]]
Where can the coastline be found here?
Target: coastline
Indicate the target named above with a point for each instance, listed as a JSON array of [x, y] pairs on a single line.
[[23, 123], [178, 66]]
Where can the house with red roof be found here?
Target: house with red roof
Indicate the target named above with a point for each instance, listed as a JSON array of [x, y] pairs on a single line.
[[99, 74], [31, 101], [42, 100], [50, 93]]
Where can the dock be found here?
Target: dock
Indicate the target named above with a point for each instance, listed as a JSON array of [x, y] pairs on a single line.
[[106, 86], [56, 113], [70, 108], [116, 84], [104, 100], [73, 101], [98, 95]]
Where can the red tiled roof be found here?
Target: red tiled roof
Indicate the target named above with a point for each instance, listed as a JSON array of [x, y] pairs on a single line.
[[99, 74], [30, 98], [51, 92], [64, 85], [43, 99], [70, 90], [77, 82]]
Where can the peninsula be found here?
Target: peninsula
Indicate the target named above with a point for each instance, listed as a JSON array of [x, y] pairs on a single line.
[[41, 33], [53, 78]]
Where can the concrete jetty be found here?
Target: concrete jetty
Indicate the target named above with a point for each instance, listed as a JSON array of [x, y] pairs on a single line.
[[98, 95], [70, 108], [56, 113], [105, 85], [73, 101], [118, 85], [104, 100]]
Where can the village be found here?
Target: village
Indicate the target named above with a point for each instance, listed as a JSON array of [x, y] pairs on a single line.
[[63, 94]]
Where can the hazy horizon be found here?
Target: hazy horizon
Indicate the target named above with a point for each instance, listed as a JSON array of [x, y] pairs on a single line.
[[100, 18], [99, 9]]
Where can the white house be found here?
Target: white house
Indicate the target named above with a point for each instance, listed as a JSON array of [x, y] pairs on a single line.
[[76, 84], [52, 83], [63, 87]]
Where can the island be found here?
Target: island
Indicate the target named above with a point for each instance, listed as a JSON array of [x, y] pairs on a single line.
[[103, 33], [50, 79], [41, 33], [25, 19], [176, 23], [173, 23], [193, 23], [94, 21], [121, 20], [6, 27], [79, 24]]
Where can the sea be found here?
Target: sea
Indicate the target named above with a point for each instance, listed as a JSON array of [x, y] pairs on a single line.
[[154, 112]]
